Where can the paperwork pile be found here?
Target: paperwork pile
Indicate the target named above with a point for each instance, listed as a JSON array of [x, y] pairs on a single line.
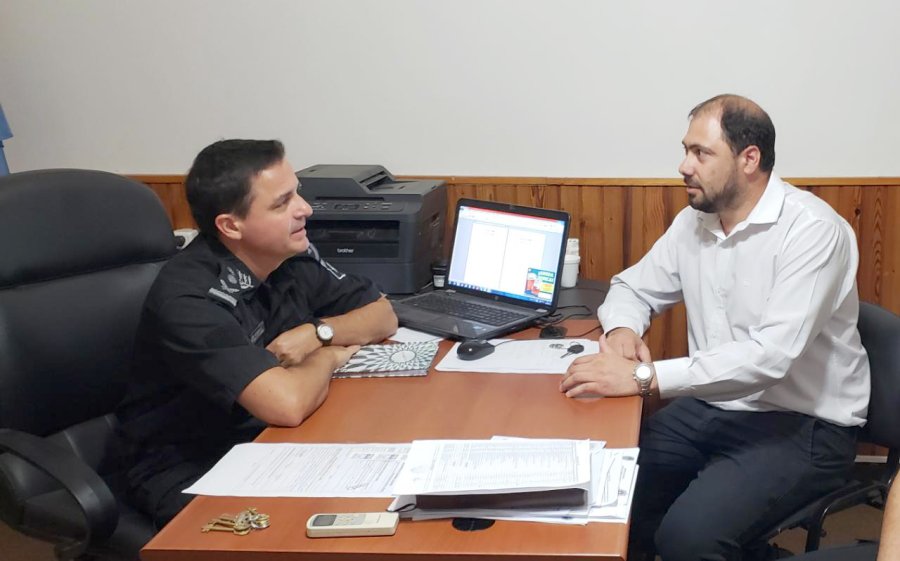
[[581, 480], [478, 478]]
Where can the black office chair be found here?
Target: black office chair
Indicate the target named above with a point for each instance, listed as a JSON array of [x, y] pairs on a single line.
[[880, 332], [78, 252]]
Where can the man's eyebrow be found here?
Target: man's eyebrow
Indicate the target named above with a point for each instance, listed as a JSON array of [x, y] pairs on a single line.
[[284, 197], [696, 146]]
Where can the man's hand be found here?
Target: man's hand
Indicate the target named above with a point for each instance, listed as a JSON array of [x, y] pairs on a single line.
[[339, 355], [626, 343], [292, 346], [607, 374]]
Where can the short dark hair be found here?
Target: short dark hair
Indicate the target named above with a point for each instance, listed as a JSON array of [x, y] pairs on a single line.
[[220, 178], [744, 123]]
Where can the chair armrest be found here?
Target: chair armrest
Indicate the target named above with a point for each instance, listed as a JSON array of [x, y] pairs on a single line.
[[837, 501], [82, 483], [845, 498]]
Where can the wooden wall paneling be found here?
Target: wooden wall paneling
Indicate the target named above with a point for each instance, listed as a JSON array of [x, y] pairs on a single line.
[[607, 250], [170, 190], [870, 237], [890, 283]]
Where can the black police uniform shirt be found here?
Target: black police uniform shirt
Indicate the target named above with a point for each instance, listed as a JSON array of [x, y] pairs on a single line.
[[201, 341]]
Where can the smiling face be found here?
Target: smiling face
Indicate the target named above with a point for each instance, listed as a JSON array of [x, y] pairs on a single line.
[[274, 227], [710, 168]]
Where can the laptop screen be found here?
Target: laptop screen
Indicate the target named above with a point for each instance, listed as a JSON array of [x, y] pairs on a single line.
[[507, 251]]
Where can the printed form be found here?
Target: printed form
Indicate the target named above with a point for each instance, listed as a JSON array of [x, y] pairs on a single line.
[[493, 466], [304, 470]]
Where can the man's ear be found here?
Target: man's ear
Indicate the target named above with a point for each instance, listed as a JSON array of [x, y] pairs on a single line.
[[229, 226], [751, 157]]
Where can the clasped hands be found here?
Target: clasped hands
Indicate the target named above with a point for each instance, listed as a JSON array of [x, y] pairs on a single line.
[[608, 373]]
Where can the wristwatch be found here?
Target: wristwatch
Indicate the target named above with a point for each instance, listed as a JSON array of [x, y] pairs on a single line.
[[643, 374], [324, 332]]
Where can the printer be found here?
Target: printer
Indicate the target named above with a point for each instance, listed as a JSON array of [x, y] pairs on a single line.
[[368, 223]]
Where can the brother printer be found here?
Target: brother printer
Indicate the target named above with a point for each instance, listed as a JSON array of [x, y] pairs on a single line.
[[368, 223]]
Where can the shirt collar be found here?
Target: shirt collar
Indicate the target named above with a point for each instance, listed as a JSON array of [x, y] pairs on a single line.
[[234, 277], [766, 211], [768, 208]]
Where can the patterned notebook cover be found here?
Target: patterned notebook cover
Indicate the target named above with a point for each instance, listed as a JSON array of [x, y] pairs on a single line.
[[400, 359]]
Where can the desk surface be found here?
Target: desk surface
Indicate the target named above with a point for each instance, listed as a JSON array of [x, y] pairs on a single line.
[[440, 405]]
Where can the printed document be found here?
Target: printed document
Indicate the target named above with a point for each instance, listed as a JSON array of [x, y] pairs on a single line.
[[304, 470], [449, 467]]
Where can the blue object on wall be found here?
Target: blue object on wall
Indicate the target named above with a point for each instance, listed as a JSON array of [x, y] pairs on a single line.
[[5, 133]]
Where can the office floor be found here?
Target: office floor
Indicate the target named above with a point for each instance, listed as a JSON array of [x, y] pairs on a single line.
[[845, 527]]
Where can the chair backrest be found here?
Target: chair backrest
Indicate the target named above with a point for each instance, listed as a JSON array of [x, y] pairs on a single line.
[[79, 250], [880, 333]]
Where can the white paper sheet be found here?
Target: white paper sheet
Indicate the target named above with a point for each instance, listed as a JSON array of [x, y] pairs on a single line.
[[407, 335], [492, 466], [533, 356], [304, 470]]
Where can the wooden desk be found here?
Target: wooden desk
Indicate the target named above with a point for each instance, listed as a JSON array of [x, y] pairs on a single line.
[[441, 405]]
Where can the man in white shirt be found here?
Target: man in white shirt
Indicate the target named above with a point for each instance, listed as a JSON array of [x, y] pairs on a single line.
[[776, 382]]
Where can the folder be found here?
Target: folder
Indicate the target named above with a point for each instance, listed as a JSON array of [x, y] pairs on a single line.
[[551, 498]]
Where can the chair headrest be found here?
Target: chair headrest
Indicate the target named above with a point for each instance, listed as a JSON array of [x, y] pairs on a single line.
[[60, 222]]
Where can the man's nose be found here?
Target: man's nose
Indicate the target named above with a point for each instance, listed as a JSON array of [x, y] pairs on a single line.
[[302, 208], [685, 168]]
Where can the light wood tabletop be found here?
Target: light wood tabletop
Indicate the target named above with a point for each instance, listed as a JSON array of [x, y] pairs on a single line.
[[439, 405]]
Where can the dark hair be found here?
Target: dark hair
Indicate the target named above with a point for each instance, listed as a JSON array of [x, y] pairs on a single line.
[[220, 178], [744, 123]]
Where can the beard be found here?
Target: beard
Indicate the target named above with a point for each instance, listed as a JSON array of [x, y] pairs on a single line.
[[714, 201]]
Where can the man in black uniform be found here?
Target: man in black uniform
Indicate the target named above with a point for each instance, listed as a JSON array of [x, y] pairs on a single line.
[[241, 329]]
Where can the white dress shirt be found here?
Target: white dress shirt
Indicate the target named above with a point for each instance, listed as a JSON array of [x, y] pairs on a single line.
[[771, 308]]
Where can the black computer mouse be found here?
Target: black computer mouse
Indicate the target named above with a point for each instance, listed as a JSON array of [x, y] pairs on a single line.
[[473, 349]]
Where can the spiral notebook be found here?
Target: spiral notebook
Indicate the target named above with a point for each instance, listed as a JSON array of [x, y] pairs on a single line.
[[388, 360]]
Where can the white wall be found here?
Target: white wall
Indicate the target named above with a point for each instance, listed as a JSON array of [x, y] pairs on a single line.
[[577, 88]]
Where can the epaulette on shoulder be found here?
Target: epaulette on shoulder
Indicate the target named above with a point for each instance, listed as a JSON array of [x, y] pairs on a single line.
[[222, 296]]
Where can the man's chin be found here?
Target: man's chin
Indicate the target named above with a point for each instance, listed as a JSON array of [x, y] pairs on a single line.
[[300, 246], [701, 204]]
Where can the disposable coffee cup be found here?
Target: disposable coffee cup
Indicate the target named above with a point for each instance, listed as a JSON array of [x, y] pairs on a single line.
[[570, 271]]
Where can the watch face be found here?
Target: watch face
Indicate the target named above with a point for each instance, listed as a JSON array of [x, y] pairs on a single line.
[[643, 372], [324, 332]]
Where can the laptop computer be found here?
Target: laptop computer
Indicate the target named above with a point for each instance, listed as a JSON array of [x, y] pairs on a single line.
[[504, 272]]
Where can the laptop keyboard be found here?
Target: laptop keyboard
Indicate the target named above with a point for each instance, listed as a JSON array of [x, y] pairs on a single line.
[[466, 310]]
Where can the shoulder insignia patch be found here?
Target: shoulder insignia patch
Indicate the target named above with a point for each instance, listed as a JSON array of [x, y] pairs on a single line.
[[223, 297]]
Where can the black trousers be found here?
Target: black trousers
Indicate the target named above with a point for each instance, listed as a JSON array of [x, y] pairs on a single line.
[[160, 496], [712, 482]]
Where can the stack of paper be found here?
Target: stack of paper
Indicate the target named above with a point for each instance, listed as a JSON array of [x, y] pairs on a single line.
[[504, 467], [533, 356], [438, 471]]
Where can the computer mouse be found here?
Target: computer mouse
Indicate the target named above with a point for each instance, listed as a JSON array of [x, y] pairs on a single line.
[[473, 349]]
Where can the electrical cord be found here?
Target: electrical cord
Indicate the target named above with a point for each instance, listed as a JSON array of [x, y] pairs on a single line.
[[555, 318]]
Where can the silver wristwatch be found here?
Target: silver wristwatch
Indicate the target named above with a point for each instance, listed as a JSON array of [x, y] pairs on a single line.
[[643, 374], [324, 332]]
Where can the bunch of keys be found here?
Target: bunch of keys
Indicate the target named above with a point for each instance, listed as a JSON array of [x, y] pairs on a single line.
[[240, 524]]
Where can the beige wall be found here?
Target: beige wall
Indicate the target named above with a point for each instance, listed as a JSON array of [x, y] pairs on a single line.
[[568, 88]]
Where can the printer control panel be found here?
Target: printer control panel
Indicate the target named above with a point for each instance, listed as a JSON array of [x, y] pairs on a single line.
[[357, 206]]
